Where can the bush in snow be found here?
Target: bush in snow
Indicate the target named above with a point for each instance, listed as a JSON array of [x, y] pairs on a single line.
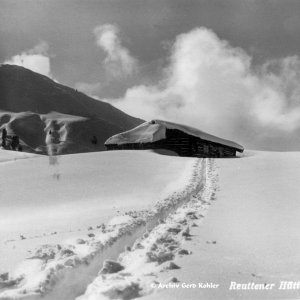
[[173, 266], [183, 252]]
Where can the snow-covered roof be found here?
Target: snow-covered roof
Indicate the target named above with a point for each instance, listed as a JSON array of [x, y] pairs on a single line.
[[155, 130]]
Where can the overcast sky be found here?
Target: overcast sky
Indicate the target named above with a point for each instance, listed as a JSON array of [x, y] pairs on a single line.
[[229, 67]]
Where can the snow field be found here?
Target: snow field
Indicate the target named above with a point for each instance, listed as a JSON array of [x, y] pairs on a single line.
[[45, 203], [63, 271], [154, 252], [250, 236]]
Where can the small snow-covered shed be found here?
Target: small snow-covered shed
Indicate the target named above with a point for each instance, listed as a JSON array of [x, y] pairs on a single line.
[[184, 140]]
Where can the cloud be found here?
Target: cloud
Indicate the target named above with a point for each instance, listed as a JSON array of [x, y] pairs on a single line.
[[35, 59], [118, 61], [213, 86]]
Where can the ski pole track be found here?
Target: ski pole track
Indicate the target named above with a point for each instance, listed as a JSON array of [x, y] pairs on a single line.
[[66, 272]]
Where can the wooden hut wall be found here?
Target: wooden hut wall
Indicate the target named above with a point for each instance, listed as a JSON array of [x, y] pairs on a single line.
[[183, 144]]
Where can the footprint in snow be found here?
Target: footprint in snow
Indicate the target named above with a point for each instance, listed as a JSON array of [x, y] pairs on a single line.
[[192, 215], [172, 266], [159, 257], [175, 230], [186, 233], [254, 275], [184, 252], [80, 241]]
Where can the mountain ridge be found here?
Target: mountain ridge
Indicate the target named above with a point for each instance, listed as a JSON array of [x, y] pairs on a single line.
[[29, 102]]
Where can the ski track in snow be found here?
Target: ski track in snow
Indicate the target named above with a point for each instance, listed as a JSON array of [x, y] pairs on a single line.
[[123, 261]]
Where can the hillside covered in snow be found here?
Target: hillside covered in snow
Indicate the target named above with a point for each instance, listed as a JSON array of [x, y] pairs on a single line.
[[29, 101], [135, 224]]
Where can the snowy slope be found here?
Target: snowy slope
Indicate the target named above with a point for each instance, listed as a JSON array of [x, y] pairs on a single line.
[[76, 133], [58, 203], [221, 222], [250, 235], [91, 187], [29, 100], [6, 156]]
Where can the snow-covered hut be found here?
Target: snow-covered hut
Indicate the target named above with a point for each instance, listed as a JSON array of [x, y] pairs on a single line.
[[184, 140]]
